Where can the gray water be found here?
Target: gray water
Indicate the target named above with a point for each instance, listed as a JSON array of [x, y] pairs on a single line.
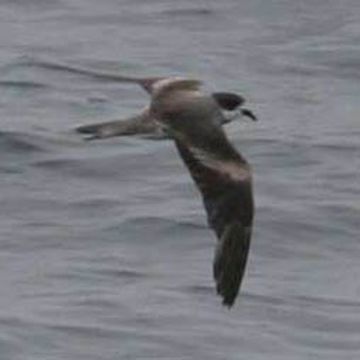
[[104, 249]]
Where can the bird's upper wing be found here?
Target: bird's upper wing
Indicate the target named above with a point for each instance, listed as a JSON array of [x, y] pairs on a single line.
[[225, 185], [146, 83]]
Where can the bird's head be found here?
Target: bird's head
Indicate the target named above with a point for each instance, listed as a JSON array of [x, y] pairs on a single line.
[[231, 105]]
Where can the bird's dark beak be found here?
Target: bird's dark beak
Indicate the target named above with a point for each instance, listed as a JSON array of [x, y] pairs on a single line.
[[249, 114]]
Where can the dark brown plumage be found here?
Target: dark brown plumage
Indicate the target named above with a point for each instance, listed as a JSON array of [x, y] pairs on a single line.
[[220, 172], [144, 124], [180, 111]]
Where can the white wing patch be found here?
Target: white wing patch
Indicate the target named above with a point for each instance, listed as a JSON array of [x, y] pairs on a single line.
[[165, 82], [175, 83]]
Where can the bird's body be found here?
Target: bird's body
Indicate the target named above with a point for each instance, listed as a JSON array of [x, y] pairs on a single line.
[[193, 120]]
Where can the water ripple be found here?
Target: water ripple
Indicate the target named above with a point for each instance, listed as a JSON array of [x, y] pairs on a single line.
[[16, 142]]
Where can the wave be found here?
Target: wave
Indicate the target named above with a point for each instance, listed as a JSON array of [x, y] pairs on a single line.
[[22, 84], [17, 142]]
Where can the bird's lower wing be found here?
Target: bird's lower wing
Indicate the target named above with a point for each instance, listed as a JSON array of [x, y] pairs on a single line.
[[227, 197], [230, 260]]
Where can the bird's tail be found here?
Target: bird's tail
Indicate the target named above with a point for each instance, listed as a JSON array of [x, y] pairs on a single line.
[[105, 130], [230, 261], [95, 131], [136, 124]]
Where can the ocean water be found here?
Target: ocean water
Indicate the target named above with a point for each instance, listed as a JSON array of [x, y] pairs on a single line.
[[104, 249]]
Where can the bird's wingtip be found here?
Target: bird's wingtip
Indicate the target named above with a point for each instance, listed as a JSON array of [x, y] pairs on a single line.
[[230, 261]]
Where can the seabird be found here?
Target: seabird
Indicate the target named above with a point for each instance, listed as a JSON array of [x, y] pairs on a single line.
[[193, 120], [144, 123], [223, 176]]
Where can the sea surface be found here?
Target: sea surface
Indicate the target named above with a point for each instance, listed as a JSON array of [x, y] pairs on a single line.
[[105, 253]]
